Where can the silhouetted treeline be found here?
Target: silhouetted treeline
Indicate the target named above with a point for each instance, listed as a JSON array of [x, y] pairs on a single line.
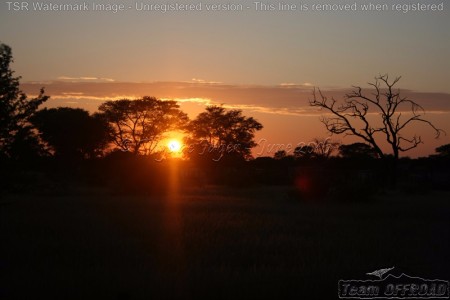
[[336, 178]]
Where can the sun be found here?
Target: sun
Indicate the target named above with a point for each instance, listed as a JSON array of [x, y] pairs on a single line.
[[174, 146]]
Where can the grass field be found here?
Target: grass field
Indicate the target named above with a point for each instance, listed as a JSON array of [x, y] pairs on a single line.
[[213, 243]]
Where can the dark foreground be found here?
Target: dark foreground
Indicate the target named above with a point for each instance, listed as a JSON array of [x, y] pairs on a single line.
[[213, 243]]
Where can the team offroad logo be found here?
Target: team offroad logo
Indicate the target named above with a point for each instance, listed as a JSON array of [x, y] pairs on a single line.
[[389, 286]]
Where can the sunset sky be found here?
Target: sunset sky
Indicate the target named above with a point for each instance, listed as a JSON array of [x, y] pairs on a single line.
[[263, 62]]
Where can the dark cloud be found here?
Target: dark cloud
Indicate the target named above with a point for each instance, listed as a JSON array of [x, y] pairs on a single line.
[[284, 99]]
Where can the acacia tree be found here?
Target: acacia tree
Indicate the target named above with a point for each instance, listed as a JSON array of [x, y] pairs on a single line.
[[15, 108], [139, 125], [222, 132], [350, 116]]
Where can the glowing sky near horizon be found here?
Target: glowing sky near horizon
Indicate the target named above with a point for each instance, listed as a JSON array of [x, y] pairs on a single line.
[[332, 50]]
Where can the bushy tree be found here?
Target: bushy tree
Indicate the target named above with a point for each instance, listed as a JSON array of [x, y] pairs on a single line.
[[72, 132], [139, 125], [16, 134], [357, 150], [223, 133]]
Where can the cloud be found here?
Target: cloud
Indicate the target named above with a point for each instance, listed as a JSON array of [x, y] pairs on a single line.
[[295, 85], [284, 99], [203, 101], [302, 111], [197, 80], [85, 78], [73, 93]]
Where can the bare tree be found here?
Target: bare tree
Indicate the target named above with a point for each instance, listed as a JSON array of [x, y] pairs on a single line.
[[350, 116]]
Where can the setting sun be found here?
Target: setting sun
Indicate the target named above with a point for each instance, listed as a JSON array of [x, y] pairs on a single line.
[[174, 146]]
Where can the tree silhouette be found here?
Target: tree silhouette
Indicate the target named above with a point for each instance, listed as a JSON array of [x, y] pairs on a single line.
[[444, 150], [223, 132], [323, 148], [16, 134], [304, 151], [317, 148], [139, 125], [280, 154], [72, 132], [350, 117], [357, 150]]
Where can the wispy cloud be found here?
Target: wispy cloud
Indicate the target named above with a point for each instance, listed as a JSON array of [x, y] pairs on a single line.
[[72, 93], [85, 78], [202, 81], [295, 85], [203, 101], [301, 111]]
